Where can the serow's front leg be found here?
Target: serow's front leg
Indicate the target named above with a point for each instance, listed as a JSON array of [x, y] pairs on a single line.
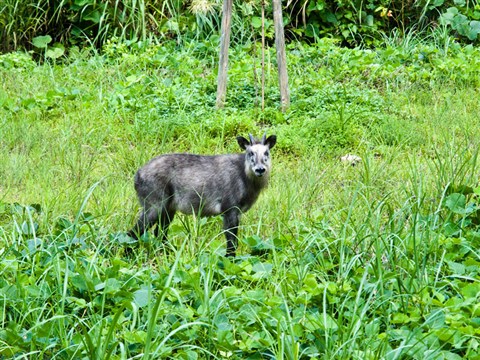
[[145, 221], [231, 220]]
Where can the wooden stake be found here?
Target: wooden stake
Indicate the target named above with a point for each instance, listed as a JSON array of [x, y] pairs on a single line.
[[255, 79], [281, 56], [263, 55], [224, 45]]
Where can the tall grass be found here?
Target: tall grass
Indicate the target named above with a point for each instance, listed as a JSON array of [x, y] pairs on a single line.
[[20, 21], [88, 22]]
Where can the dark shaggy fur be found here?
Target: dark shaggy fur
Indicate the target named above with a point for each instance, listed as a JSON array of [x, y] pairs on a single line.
[[204, 185]]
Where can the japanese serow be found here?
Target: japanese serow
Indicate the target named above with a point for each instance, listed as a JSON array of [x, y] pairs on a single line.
[[224, 185]]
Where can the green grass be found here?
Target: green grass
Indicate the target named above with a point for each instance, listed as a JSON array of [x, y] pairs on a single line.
[[376, 261]]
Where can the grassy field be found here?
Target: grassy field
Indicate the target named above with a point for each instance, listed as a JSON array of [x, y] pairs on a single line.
[[374, 261]]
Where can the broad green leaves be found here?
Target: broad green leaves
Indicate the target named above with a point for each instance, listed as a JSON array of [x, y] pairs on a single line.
[[53, 52], [460, 22], [41, 41], [456, 203]]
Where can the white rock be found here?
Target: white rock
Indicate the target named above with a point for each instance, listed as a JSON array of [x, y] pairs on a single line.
[[351, 159]]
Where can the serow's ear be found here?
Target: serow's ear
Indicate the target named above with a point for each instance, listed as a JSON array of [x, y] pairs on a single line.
[[271, 141], [243, 142]]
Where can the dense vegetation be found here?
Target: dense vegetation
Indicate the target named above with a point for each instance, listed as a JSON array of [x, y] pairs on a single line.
[[376, 261], [24, 23]]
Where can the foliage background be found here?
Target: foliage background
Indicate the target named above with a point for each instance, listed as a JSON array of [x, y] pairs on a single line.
[[353, 23]]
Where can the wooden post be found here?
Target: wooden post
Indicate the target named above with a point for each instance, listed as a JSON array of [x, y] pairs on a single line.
[[281, 56], [224, 44], [263, 55]]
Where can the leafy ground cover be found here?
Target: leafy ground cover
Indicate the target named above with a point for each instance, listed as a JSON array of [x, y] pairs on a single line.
[[376, 261]]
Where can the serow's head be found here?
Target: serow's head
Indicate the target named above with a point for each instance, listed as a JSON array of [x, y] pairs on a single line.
[[257, 154]]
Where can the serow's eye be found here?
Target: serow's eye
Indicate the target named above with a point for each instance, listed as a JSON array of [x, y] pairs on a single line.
[[267, 153], [251, 154]]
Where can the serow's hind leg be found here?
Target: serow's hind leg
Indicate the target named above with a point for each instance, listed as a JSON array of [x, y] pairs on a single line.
[[231, 220], [145, 221]]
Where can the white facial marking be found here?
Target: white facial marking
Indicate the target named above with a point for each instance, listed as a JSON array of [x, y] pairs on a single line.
[[258, 159]]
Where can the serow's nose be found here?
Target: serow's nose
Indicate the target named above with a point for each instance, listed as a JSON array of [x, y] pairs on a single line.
[[260, 171]]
